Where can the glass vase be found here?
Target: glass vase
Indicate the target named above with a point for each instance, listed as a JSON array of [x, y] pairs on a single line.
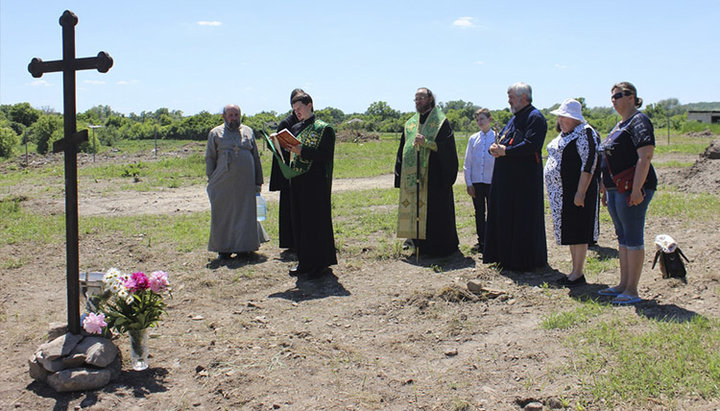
[[139, 348]]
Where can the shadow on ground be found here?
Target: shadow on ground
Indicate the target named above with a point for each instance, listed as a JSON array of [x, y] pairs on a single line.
[[141, 383], [312, 289], [238, 261], [455, 261]]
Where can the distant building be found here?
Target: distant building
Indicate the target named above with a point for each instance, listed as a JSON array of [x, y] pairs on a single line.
[[704, 116]]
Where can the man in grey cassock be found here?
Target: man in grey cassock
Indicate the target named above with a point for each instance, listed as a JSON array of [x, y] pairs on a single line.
[[232, 165]]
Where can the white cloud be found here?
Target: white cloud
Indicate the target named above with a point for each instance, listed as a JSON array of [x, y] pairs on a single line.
[[464, 22], [209, 23], [93, 82], [560, 66], [40, 83], [479, 62]]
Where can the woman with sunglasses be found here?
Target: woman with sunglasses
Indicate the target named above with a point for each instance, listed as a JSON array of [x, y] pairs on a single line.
[[628, 185]]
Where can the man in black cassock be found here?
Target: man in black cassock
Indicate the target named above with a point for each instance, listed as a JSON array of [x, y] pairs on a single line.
[[515, 233], [310, 191], [278, 182], [429, 138]]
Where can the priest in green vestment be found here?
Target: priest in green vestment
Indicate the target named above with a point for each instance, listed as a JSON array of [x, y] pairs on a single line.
[[426, 168]]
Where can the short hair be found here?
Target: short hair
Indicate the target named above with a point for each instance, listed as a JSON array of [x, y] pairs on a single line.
[[430, 95], [301, 98], [231, 106], [483, 111], [295, 93], [627, 87], [522, 89]]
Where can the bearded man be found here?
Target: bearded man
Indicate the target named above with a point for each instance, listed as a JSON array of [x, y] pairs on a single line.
[[426, 168], [234, 172]]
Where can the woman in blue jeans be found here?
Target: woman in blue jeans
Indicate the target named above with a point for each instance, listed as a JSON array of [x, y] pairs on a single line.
[[630, 144]]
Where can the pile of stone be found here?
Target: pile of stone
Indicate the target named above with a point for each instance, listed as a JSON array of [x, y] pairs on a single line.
[[71, 362]]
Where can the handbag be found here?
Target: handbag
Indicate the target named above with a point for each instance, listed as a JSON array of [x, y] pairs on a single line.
[[668, 253], [624, 179]]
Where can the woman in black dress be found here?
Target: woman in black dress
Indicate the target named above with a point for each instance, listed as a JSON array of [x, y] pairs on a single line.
[[572, 184]]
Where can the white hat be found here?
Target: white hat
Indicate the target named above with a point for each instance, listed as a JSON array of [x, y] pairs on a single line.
[[666, 243], [570, 108]]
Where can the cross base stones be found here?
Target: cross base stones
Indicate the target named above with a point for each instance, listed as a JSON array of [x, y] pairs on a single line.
[[72, 362]]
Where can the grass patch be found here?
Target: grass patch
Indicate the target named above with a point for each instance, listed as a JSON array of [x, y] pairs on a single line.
[[673, 164], [681, 144], [568, 319], [19, 226], [365, 220], [627, 362], [168, 172], [595, 264], [687, 207]]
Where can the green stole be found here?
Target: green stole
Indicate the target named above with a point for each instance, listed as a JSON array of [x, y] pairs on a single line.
[[412, 211], [309, 137]]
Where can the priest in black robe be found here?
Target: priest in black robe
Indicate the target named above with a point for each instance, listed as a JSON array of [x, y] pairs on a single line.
[[278, 182], [515, 233], [310, 191], [435, 234]]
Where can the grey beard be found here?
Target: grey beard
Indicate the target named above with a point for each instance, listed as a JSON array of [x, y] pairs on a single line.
[[232, 125]]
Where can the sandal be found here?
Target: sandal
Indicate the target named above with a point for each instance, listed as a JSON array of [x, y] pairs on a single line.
[[623, 299], [609, 292]]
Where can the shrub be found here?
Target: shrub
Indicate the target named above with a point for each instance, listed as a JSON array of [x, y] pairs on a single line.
[[8, 141]]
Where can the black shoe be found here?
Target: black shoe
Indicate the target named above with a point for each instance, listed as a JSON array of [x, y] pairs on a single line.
[[224, 256], [572, 283], [297, 270]]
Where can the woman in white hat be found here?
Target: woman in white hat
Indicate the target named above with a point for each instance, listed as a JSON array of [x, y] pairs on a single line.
[[572, 185]]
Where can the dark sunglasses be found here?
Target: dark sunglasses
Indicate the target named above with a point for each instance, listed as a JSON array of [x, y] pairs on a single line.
[[620, 94]]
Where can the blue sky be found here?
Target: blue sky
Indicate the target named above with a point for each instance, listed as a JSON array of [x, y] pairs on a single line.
[[200, 55]]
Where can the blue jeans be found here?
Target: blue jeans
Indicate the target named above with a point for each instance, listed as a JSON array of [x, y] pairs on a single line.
[[629, 221]]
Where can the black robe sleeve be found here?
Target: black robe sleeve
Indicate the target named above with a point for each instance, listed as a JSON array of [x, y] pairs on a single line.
[[398, 160], [534, 131], [446, 157]]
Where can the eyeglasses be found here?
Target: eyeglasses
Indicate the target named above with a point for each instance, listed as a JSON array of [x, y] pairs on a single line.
[[620, 94]]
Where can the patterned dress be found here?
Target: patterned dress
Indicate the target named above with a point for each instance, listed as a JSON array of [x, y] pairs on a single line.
[[569, 155]]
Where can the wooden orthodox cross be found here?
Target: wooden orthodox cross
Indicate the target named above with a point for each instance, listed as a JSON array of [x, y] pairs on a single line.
[[69, 65]]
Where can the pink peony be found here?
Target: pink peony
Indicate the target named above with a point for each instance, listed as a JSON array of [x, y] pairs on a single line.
[[137, 282], [158, 281], [94, 323]]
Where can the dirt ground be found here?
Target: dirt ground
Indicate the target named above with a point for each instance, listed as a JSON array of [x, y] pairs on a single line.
[[378, 334]]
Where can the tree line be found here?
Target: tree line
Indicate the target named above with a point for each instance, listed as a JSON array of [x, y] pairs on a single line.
[[21, 123]]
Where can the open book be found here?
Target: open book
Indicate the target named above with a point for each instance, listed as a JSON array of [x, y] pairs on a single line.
[[274, 145], [286, 139]]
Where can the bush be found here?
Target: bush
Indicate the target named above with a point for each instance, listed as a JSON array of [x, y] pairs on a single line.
[[109, 136], [45, 131], [87, 146], [8, 141], [696, 126]]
